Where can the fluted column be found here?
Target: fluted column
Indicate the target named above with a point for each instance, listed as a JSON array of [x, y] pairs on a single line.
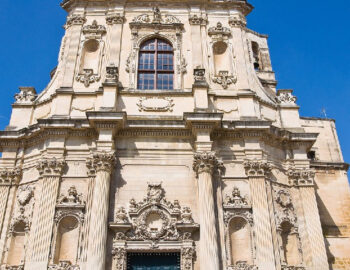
[[104, 164], [312, 238], [257, 172], [86, 227], [205, 164], [50, 171], [8, 179]]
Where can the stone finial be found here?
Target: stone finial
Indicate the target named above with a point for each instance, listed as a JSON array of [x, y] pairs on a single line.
[[115, 19], [257, 168], [301, 177], [10, 176], [104, 161], [26, 95], [285, 97], [207, 162], [238, 20], [51, 167]]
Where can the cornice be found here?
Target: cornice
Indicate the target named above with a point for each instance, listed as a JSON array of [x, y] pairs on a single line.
[[326, 165]]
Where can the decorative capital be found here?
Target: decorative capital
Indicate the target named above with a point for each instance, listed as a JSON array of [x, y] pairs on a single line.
[[104, 161], [285, 97], [115, 19], [257, 168], [238, 20], [299, 177], [75, 20], [197, 20], [51, 167], [206, 162], [10, 176], [26, 95]]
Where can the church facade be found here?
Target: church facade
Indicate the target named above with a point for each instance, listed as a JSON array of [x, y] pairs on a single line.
[[161, 142]]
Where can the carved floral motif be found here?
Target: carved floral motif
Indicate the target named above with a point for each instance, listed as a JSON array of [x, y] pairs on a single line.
[[218, 32], [51, 167], [103, 161], [300, 177], [197, 20], [10, 176], [75, 20], [187, 257], [119, 258], [94, 30], [246, 214], [157, 18], [284, 209], [242, 265], [224, 79], [64, 265], [115, 19], [26, 95], [238, 20], [88, 77]]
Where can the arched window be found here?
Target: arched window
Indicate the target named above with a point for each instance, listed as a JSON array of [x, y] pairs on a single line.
[[156, 65]]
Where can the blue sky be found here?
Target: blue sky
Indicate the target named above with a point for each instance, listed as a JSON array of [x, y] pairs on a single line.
[[309, 43]]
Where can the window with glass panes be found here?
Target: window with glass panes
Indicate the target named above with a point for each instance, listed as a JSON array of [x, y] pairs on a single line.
[[156, 65]]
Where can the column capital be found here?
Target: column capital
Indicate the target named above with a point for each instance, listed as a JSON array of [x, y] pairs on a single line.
[[207, 162], [301, 177], [257, 168], [103, 161], [10, 176], [115, 19], [50, 167], [238, 20], [75, 20], [197, 20]]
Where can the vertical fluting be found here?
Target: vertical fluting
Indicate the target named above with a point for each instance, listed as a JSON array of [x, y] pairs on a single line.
[[313, 226], [86, 228], [41, 231], [209, 248], [4, 192], [104, 163], [257, 171], [205, 164]]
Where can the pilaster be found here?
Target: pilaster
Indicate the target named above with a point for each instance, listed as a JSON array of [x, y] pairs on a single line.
[[257, 172], [205, 164], [115, 24], [196, 21], [50, 171]]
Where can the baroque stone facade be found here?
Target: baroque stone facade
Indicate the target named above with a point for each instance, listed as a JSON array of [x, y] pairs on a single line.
[[162, 133]]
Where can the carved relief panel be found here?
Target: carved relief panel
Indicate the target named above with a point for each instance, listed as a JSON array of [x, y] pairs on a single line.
[[154, 224], [168, 27]]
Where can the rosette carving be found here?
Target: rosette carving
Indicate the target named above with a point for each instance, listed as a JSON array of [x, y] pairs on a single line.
[[207, 162]]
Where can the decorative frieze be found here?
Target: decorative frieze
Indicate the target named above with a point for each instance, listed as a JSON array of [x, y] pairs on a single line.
[[187, 258], [301, 177], [64, 265], [157, 19], [115, 19], [26, 95], [207, 162], [257, 168], [51, 167], [242, 266], [10, 176], [119, 258]]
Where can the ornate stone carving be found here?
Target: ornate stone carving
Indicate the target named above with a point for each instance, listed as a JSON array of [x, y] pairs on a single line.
[[12, 267], [285, 97], [119, 258], [246, 214], [64, 265], [284, 209], [287, 267], [71, 198], [94, 30], [154, 218], [24, 194], [236, 200], [115, 19], [197, 20], [207, 162], [156, 104], [157, 18], [75, 20], [10, 176], [51, 167], [224, 79], [218, 32], [299, 177], [237, 20], [104, 161], [242, 265], [112, 74], [88, 77], [187, 257], [199, 75], [257, 168], [26, 95]]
